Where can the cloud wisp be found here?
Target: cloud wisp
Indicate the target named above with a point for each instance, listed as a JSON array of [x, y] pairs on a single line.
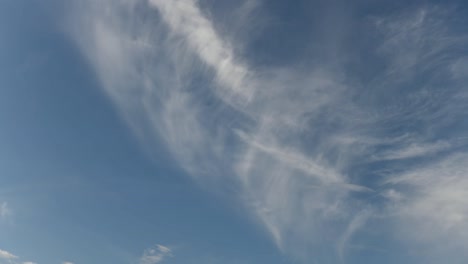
[[440, 187], [156, 254], [5, 210], [10, 258], [310, 149], [5, 255]]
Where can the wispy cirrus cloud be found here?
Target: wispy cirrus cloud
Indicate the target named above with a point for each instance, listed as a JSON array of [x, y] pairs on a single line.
[[435, 208], [5, 210], [414, 150], [187, 20], [156, 254], [306, 147], [438, 187]]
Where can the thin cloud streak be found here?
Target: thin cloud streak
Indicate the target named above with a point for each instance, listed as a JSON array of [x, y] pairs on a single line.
[[414, 150], [358, 222]]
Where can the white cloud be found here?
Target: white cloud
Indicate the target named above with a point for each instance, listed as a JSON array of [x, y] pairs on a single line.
[[67, 262], [433, 211], [414, 150], [459, 68], [10, 258], [438, 197], [417, 40], [358, 222], [156, 254], [186, 19], [7, 255]]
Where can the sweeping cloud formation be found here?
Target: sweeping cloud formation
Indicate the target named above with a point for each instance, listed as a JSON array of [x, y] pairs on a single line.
[[362, 136]]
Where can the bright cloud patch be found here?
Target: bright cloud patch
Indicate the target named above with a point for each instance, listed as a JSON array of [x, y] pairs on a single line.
[[7, 255]]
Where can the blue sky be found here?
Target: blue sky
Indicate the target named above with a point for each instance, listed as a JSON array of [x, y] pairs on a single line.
[[185, 131]]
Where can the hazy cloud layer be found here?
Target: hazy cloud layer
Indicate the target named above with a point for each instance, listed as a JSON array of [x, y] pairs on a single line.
[[323, 154]]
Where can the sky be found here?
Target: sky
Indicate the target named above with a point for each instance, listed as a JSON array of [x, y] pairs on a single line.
[[234, 132]]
